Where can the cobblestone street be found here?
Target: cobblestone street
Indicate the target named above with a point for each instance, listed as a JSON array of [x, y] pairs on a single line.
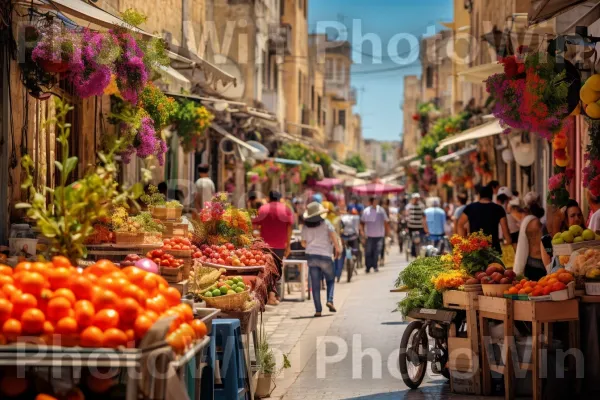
[[364, 329]]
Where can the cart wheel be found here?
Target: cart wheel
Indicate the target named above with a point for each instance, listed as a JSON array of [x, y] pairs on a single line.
[[412, 367]]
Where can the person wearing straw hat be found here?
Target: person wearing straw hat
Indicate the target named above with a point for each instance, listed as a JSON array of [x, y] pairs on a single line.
[[319, 240]]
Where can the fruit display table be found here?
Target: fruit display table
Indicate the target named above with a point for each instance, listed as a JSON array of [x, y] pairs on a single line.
[[542, 315]]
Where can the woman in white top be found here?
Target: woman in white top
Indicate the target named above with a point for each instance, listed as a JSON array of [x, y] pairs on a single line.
[[319, 240]]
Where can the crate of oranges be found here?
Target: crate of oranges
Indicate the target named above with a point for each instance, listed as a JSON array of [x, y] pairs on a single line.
[[557, 286], [99, 307]]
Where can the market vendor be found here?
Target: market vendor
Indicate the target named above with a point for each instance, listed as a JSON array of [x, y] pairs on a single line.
[[572, 216], [528, 258]]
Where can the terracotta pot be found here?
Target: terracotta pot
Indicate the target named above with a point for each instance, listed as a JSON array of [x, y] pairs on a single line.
[[264, 387], [54, 67]]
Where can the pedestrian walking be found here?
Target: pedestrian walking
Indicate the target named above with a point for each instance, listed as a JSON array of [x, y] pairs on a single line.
[[318, 238], [434, 221], [336, 222], [205, 188], [276, 220], [375, 227], [414, 215], [485, 215]]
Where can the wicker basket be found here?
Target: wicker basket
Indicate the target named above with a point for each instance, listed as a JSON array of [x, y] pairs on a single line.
[[592, 288], [164, 213], [230, 302], [495, 290]]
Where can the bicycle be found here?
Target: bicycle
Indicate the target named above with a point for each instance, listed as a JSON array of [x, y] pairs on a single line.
[[353, 256], [414, 345]]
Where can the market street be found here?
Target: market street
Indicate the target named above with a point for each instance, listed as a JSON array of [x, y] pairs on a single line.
[[364, 321]]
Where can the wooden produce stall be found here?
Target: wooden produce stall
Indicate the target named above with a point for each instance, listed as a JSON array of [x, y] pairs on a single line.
[[464, 362]]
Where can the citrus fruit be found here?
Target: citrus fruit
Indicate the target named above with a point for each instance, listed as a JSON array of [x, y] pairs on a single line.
[[216, 292], [32, 321], [22, 302], [588, 95], [81, 287], [567, 237], [142, 324], [106, 319], [578, 239], [66, 326], [200, 328], [576, 230], [12, 329], [6, 308], [114, 338], [59, 278], [66, 293], [58, 308], [593, 82], [32, 283], [92, 336], [84, 313], [593, 110], [588, 234]]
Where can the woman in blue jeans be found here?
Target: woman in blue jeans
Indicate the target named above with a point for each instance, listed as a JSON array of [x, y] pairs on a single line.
[[319, 240]]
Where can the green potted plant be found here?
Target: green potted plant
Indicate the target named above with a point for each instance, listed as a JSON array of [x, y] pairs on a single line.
[[268, 369], [67, 213]]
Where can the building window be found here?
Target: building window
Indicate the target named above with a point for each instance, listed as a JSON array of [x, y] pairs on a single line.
[[319, 110], [281, 7], [324, 117], [329, 69], [339, 75], [342, 118], [312, 97], [276, 75], [429, 77]]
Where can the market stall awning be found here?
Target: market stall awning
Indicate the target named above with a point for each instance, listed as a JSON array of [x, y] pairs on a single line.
[[488, 129], [355, 182], [329, 183], [173, 77], [304, 126], [377, 189], [220, 130], [82, 10], [541, 10], [286, 161], [481, 72], [456, 155], [345, 169], [393, 177], [368, 174]]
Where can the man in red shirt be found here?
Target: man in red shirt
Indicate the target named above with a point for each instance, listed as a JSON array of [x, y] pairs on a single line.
[[275, 220]]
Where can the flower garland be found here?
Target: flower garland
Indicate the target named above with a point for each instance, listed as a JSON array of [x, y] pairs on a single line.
[[558, 194], [131, 71], [530, 94]]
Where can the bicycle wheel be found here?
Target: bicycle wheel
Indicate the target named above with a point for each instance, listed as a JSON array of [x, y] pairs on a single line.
[[349, 268], [412, 365]]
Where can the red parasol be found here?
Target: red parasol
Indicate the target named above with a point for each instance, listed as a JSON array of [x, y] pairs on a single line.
[[377, 189], [329, 183]]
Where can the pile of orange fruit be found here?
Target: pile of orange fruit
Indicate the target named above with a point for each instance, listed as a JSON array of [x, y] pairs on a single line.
[[553, 282], [99, 306]]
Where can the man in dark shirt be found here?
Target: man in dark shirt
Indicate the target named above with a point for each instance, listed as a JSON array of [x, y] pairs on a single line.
[[485, 215]]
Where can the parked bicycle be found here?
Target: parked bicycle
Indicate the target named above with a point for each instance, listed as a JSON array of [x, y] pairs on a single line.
[[415, 351]]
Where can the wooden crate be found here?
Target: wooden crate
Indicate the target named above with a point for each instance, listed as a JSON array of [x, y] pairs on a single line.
[[546, 311], [175, 229], [464, 352], [182, 286], [459, 300], [496, 305], [172, 275]]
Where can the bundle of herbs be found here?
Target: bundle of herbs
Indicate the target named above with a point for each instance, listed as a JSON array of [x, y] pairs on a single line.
[[417, 278]]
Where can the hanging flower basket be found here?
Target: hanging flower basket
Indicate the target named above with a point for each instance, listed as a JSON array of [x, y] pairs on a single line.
[[54, 67], [534, 93]]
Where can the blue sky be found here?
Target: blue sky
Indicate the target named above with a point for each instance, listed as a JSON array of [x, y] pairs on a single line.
[[379, 77]]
